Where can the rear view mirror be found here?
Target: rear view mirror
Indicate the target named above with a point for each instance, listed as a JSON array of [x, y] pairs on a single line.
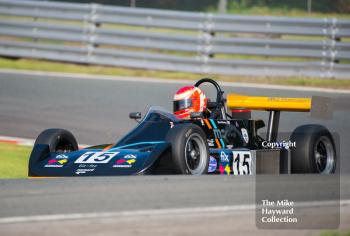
[[135, 115]]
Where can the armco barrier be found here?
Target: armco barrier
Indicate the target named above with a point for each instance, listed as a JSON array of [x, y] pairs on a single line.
[[174, 40]]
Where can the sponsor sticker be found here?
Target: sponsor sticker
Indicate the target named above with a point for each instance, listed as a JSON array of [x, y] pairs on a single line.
[[245, 135], [210, 142], [130, 156], [126, 162], [83, 171], [212, 164], [58, 161], [225, 169], [224, 157]]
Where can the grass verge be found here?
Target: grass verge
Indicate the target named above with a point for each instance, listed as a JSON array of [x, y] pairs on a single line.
[[14, 160], [31, 64], [287, 11], [336, 233]]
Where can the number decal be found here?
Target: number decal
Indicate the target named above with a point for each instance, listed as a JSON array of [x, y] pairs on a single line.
[[242, 163], [96, 157], [246, 163], [236, 161]]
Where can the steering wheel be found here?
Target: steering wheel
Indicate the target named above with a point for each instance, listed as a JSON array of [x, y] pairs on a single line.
[[220, 100]]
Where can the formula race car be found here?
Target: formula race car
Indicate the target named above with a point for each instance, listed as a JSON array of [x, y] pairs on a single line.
[[211, 142]]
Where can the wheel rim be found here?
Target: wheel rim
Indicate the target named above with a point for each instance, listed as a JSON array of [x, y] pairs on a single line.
[[64, 147], [195, 154], [324, 155]]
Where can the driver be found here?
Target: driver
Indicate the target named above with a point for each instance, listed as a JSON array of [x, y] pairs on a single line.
[[189, 99]]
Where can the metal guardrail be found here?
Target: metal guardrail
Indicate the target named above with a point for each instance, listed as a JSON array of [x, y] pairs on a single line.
[[176, 41]]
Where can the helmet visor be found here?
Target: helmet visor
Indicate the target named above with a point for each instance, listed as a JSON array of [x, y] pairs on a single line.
[[182, 104]]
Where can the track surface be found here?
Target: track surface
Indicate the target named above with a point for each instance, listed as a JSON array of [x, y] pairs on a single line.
[[103, 194], [96, 111], [157, 205]]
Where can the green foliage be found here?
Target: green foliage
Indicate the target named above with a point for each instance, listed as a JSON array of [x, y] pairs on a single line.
[[321, 6], [236, 6]]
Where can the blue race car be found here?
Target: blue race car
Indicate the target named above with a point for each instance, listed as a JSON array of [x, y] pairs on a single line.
[[208, 143]]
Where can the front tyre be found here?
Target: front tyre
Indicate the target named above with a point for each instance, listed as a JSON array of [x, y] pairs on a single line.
[[190, 152], [58, 140], [315, 150]]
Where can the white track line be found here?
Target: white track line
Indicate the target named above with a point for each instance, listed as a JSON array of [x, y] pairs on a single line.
[[158, 212], [171, 81]]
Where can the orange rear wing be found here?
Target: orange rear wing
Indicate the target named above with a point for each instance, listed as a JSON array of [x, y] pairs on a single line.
[[320, 107]]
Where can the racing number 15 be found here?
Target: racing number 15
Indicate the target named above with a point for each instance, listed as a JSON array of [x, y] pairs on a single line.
[[242, 163], [96, 157]]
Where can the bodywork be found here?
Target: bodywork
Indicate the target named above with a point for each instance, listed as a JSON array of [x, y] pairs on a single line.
[[144, 150]]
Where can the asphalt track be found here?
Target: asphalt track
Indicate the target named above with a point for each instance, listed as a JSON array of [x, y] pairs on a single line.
[[96, 111], [162, 205]]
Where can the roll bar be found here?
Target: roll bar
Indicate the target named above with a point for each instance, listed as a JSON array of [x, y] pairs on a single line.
[[220, 100]]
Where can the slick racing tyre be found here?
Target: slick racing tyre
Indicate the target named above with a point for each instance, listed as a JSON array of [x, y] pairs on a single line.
[[189, 147], [59, 140], [315, 150]]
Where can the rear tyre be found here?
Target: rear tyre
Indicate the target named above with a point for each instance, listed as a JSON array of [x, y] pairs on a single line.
[[189, 147], [58, 140], [315, 150]]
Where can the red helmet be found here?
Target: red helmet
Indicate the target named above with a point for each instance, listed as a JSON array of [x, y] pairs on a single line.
[[189, 99]]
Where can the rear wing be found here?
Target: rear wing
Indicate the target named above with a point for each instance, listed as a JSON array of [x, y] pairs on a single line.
[[320, 107]]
